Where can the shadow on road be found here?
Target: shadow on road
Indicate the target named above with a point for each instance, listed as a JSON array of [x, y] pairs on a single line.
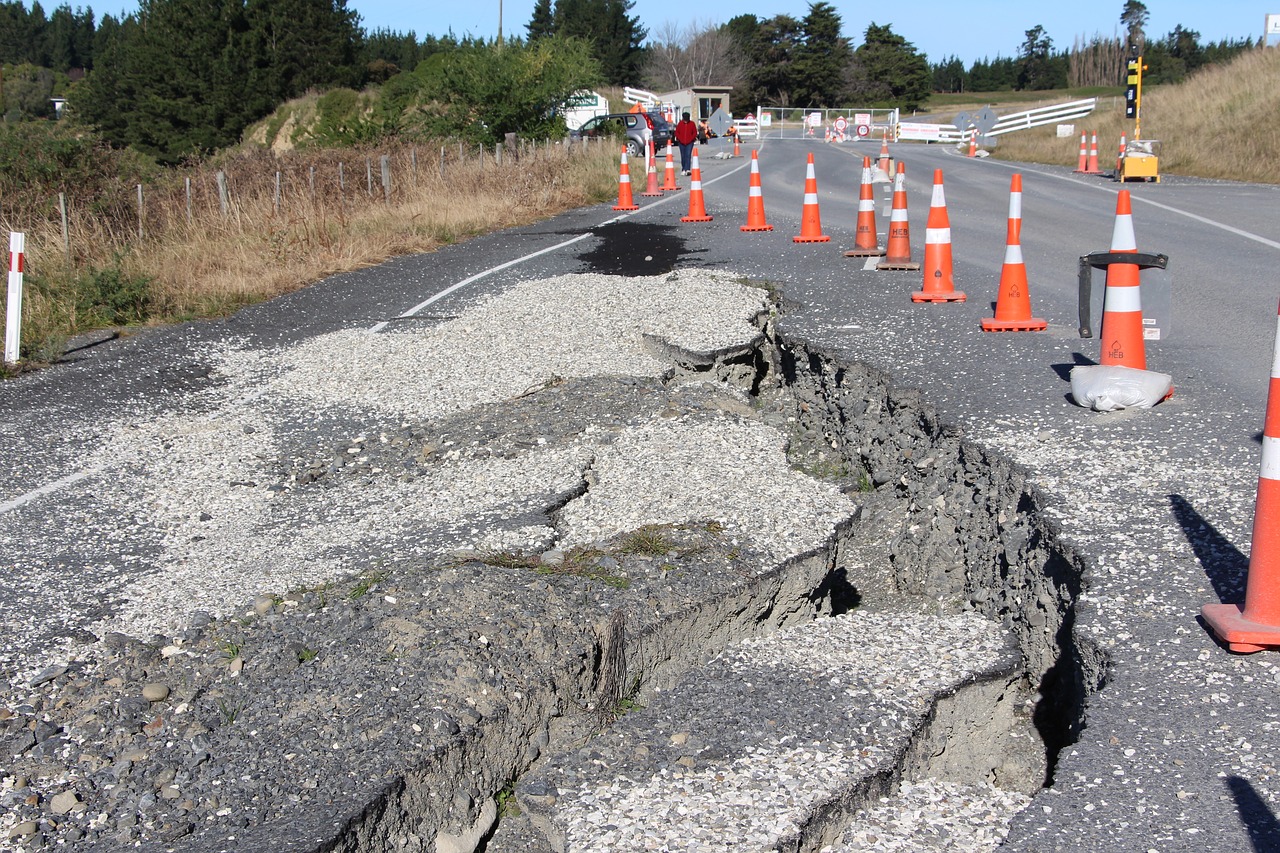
[[1258, 819], [1223, 563]]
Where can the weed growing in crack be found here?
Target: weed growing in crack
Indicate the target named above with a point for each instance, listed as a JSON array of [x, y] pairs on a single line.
[[366, 583], [652, 540], [506, 801]]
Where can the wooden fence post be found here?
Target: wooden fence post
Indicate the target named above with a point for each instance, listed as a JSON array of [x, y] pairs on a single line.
[[140, 232], [223, 202], [66, 232]]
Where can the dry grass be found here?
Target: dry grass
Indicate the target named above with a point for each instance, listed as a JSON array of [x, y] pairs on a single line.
[[1224, 122], [267, 244]]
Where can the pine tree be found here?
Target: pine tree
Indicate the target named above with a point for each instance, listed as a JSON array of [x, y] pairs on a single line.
[[890, 70], [541, 24], [296, 44], [821, 58], [615, 36]]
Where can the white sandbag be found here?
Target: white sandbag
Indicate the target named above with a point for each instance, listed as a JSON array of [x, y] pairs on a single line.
[[1106, 388]]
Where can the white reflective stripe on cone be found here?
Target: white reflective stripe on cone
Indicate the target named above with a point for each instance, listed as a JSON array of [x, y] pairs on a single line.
[[937, 235], [1270, 458], [1122, 300]]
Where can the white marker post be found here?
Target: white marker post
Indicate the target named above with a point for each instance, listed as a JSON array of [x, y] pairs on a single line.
[[13, 318]]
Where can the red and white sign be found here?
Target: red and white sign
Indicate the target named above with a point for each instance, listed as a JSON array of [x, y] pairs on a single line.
[[864, 130], [841, 124]]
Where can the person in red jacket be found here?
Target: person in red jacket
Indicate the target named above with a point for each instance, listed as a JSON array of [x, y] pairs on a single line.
[[686, 135]]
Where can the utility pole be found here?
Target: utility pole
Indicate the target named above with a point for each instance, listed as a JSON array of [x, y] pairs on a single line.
[[499, 24]]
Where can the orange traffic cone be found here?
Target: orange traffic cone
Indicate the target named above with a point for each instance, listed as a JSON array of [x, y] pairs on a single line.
[[651, 186], [1013, 303], [1256, 625], [1122, 341], [755, 201], [669, 179], [864, 244], [897, 255], [883, 165], [810, 216], [1083, 164], [973, 142], [1120, 156], [938, 283], [1092, 163], [737, 149], [697, 207], [625, 201]]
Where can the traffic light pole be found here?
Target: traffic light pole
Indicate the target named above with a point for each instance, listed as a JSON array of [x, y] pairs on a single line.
[[1133, 95]]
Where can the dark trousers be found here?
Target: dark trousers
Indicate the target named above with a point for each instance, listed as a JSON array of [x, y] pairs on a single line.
[[686, 157]]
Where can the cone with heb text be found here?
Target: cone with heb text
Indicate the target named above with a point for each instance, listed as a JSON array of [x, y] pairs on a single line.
[[939, 285], [864, 243], [697, 206], [755, 201], [897, 255], [669, 179], [625, 201], [1013, 302], [810, 215], [1121, 335], [1255, 626]]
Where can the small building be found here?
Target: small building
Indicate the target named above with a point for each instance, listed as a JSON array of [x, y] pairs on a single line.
[[700, 101]]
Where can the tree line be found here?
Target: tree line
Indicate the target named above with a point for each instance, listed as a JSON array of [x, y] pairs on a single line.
[[182, 78]]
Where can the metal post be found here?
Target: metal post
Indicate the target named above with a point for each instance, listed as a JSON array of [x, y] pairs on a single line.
[[188, 187], [275, 204], [140, 233], [368, 174], [386, 178]]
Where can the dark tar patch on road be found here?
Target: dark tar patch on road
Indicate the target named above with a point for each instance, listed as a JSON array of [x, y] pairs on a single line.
[[635, 249]]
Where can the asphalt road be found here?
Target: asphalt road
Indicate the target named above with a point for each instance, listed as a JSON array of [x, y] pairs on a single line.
[[1223, 241]]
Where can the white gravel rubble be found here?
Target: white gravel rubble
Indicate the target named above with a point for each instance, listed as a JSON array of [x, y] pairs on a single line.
[[202, 477], [888, 666], [687, 469], [932, 815], [567, 326]]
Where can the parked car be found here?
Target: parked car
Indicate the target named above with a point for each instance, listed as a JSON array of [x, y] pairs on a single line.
[[635, 128]]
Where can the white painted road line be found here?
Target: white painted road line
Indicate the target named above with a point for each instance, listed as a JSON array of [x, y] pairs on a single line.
[[1230, 229], [48, 489], [407, 315]]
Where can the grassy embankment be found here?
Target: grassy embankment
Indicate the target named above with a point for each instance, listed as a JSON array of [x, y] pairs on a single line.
[[1224, 122], [209, 263]]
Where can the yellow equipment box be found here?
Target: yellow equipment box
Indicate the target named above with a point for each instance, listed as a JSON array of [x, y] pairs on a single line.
[[1141, 161]]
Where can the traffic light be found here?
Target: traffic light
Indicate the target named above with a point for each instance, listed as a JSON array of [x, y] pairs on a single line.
[[1131, 88]]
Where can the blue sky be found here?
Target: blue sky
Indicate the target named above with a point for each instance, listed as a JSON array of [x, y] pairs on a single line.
[[969, 29]]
